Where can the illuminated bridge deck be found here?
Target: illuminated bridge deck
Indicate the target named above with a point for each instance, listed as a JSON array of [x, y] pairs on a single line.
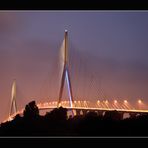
[[106, 105], [99, 106]]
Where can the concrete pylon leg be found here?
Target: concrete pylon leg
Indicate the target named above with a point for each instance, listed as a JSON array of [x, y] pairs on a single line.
[[100, 113], [133, 115], [61, 88], [13, 105], [78, 112], [84, 112]]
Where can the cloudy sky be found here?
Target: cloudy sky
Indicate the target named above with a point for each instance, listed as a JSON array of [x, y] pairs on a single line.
[[108, 55]]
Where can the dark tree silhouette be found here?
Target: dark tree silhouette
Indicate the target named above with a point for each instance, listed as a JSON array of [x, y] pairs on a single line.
[[57, 123], [113, 115], [31, 110], [59, 114]]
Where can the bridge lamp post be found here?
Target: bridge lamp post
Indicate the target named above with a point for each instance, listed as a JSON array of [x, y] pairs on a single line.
[[140, 104], [106, 102], [98, 102], [115, 104], [115, 101], [125, 101], [84, 103], [126, 104], [139, 101]]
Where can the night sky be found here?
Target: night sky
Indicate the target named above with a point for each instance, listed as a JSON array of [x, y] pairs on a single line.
[[108, 55]]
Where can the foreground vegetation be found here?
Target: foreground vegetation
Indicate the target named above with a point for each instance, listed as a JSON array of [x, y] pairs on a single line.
[[56, 123]]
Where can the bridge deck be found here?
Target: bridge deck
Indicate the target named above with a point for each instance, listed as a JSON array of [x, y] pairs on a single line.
[[86, 105]]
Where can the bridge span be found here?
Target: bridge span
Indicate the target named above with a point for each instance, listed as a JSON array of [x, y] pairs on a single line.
[[83, 107], [78, 107]]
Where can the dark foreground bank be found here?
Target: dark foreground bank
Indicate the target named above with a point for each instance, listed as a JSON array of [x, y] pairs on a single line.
[[56, 123]]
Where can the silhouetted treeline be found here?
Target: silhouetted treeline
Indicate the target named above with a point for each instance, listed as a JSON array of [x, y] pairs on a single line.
[[57, 123]]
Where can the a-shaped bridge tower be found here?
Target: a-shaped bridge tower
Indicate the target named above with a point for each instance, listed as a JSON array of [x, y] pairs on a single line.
[[13, 106], [65, 73]]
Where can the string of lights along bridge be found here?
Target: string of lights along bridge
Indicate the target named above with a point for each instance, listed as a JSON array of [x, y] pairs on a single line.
[[78, 106]]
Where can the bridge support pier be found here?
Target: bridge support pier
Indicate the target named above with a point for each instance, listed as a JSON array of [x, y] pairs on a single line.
[[121, 115], [100, 113], [133, 115], [84, 112], [78, 112]]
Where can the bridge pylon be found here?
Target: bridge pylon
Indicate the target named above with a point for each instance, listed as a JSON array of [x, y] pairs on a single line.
[[13, 105], [66, 74]]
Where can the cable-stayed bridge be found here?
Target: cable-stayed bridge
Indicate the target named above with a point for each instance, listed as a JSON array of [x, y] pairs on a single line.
[[78, 106]]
